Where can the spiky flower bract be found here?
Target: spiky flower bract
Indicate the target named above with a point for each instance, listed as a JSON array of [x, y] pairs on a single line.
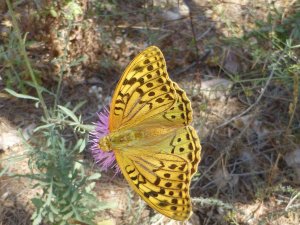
[[104, 159]]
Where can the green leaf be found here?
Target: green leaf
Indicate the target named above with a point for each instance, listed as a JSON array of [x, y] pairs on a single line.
[[43, 89], [13, 93], [69, 113], [67, 193], [51, 217], [94, 176], [68, 215], [43, 127], [53, 209], [38, 203], [37, 220], [90, 187], [77, 166], [82, 146], [67, 208], [74, 197], [79, 105], [48, 201], [78, 143], [87, 127]]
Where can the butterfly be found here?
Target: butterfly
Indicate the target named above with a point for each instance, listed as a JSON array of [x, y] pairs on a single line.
[[156, 148]]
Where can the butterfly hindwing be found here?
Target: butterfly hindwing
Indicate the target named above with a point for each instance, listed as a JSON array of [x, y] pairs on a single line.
[[162, 175], [181, 112]]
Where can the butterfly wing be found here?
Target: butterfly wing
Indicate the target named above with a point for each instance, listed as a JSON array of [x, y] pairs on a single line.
[[161, 174], [159, 166], [143, 91]]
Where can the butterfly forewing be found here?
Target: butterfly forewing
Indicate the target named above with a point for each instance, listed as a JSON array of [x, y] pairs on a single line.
[[144, 90]]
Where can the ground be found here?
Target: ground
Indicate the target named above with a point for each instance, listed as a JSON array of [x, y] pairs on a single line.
[[246, 112]]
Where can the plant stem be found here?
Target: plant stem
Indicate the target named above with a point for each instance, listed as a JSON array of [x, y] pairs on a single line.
[[26, 59]]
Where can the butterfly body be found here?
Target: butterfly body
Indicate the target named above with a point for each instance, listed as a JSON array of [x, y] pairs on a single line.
[[126, 138], [156, 148]]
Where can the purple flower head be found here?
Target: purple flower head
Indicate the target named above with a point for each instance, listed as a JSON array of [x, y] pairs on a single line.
[[102, 158]]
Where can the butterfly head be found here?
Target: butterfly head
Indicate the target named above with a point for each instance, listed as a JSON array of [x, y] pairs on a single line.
[[105, 143]]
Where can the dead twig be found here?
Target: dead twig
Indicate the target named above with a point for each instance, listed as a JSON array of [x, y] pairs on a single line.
[[251, 106]]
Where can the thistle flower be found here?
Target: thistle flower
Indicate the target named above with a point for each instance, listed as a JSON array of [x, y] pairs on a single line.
[[103, 158]]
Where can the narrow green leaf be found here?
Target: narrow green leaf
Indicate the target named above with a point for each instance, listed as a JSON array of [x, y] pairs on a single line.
[[43, 89], [78, 143], [13, 93], [82, 146], [79, 105], [51, 217], [37, 220], [74, 197], [54, 209], [43, 127], [76, 123], [94, 176], [90, 187], [77, 166], [68, 215], [69, 113], [67, 208], [48, 201], [67, 193], [87, 127]]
